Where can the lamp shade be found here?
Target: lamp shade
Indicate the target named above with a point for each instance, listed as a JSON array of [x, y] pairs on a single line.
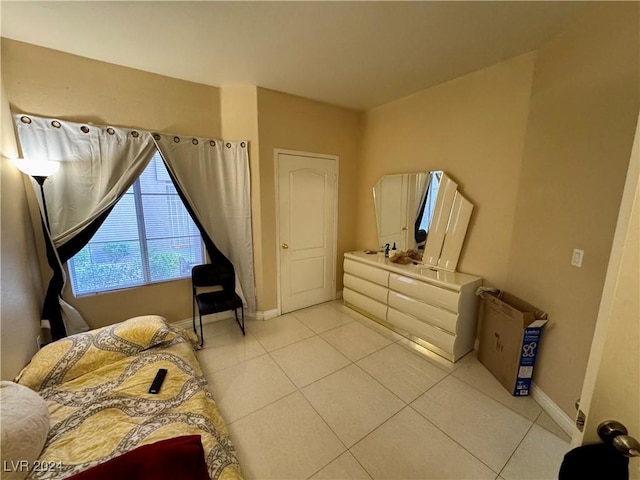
[[37, 168]]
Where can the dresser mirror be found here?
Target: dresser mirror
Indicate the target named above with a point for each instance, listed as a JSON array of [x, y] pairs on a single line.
[[423, 211]]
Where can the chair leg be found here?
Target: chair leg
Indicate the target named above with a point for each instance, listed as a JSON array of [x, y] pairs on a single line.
[[201, 334], [193, 315], [237, 320]]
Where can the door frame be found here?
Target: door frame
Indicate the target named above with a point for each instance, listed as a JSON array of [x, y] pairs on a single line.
[[276, 161], [632, 184]]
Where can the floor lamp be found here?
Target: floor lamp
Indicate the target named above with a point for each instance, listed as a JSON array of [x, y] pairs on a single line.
[[39, 170]]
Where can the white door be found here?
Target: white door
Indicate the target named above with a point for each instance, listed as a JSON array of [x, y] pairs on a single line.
[[611, 389], [307, 200]]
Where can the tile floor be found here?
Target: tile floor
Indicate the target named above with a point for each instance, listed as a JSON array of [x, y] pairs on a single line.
[[325, 393]]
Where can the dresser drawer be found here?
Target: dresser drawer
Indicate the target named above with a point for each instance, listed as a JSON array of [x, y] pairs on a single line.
[[439, 317], [431, 294], [420, 329], [364, 303], [377, 292], [367, 272]]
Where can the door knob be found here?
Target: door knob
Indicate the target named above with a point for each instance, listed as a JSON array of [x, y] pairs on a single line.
[[284, 246], [617, 434]]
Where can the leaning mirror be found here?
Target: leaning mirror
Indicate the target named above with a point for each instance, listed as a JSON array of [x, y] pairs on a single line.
[[405, 204], [423, 211]]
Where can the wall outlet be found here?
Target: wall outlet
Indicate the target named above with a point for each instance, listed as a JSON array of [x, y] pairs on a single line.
[[576, 258]]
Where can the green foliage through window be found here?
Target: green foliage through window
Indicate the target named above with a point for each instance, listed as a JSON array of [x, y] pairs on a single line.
[[148, 237]]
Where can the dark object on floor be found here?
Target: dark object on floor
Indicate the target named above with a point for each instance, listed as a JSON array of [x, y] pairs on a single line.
[[599, 461], [225, 298]]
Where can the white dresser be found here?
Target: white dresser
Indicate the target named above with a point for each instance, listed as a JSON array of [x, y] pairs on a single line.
[[438, 308]]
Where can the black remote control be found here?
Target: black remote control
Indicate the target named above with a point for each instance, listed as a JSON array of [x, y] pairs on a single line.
[[157, 382]]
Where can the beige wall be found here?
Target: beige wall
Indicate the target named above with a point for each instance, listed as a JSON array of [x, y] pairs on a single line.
[[239, 113], [21, 291], [540, 144], [51, 83], [584, 109], [77, 88], [473, 128], [295, 123]]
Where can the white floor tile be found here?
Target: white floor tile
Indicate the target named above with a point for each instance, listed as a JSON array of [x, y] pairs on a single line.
[[441, 362], [279, 332], [285, 440], [546, 422], [483, 426], [228, 349], [352, 403], [355, 340], [248, 386], [340, 306], [379, 328], [472, 372], [218, 327], [293, 411], [322, 318], [409, 447], [404, 373], [538, 457], [306, 361], [344, 467]]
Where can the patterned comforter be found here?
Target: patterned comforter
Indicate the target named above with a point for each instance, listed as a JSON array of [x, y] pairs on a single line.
[[96, 387]]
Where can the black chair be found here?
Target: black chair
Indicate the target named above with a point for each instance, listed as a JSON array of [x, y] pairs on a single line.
[[221, 300]]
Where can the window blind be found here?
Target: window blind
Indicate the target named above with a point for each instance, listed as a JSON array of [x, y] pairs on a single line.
[[148, 237]]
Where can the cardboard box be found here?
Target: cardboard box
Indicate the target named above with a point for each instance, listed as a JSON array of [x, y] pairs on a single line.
[[510, 332]]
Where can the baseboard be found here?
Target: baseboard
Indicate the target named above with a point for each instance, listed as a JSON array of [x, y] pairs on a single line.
[[267, 314], [553, 410], [216, 317]]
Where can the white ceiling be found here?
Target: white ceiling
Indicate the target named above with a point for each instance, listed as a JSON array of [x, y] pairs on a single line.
[[354, 54]]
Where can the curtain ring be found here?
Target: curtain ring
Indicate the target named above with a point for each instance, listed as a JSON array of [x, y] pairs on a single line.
[[25, 119], [56, 124], [110, 131], [194, 141], [243, 144], [156, 136], [212, 143], [135, 134], [176, 139], [84, 128], [228, 145]]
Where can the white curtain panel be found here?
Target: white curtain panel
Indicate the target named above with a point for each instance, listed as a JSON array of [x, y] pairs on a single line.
[[214, 176], [422, 185], [97, 165]]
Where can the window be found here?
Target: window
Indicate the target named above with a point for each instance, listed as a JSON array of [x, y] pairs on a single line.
[[430, 202], [148, 237]]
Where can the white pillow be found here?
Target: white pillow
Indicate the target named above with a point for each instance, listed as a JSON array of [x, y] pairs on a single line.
[[25, 425]]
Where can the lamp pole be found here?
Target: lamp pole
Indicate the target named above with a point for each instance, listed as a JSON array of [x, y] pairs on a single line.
[[40, 181]]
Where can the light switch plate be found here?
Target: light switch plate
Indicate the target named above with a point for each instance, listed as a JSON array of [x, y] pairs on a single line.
[[576, 258]]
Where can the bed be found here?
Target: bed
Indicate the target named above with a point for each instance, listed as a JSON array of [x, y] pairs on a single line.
[[96, 384]]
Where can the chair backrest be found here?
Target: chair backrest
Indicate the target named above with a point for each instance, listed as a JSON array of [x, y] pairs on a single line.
[[211, 275]]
